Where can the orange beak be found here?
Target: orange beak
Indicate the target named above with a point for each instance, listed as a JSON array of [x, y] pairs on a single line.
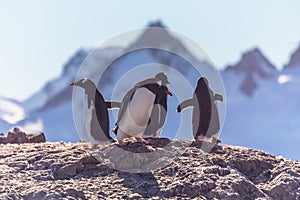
[[168, 93], [73, 84]]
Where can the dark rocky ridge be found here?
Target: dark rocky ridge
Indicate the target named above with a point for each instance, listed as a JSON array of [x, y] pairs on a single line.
[[68, 171]]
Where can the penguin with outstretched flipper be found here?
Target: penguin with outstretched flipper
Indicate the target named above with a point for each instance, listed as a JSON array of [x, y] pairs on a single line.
[[205, 114], [96, 112], [138, 109]]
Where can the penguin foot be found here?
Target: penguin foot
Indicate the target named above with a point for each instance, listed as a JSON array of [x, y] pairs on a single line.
[[215, 140], [202, 138], [142, 140], [122, 143]]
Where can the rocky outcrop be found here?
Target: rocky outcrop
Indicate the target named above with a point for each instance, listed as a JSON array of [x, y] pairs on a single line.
[[82, 171], [16, 136]]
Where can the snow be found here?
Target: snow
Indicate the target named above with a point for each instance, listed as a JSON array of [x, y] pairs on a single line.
[[54, 87], [10, 111], [284, 79], [57, 123], [34, 126]]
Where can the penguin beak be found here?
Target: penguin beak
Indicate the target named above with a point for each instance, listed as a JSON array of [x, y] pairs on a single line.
[[73, 84], [168, 93], [168, 83]]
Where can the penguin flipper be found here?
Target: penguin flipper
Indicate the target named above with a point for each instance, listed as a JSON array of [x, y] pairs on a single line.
[[186, 103], [217, 97], [113, 104]]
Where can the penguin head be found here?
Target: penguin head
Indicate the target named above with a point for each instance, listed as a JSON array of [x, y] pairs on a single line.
[[202, 81], [202, 85], [86, 84], [162, 77], [163, 81]]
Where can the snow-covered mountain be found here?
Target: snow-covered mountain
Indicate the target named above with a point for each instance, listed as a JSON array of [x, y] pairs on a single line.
[[252, 67], [262, 102], [11, 112], [267, 117]]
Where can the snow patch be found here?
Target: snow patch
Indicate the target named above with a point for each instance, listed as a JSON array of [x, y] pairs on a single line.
[[284, 79], [31, 127], [11, 112]]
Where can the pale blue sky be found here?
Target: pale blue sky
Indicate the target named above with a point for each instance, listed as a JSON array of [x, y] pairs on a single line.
[[38, 37]]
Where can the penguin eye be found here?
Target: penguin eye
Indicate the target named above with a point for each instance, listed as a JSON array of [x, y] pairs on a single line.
[[84, 80]]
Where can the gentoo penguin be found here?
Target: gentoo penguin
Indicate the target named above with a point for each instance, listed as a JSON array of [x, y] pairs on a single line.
[[138, 109], [205, 114], [96, 113]]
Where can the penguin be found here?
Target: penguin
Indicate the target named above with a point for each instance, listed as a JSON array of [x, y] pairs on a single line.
[[205, 113], [138, 109], [96, 112]]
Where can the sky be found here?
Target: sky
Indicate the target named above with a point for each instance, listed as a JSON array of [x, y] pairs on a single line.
[[38, 37]]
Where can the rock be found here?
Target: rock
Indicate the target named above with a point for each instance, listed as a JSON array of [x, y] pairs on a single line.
[[67, 171], [19, 165], [159, 142], [35, 195], [36, 138], [3, 139], [53, 196], [79, 171], [75, 193], [284, 186], [190, 190], [16, 136], [12, 196]]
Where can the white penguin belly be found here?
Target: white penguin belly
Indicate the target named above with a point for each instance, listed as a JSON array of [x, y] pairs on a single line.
[[137, 114], [88, 114]]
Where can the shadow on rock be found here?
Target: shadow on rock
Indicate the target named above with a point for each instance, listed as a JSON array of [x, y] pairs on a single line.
[[144, 185]]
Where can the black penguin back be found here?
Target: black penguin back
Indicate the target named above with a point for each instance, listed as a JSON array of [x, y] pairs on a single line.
[[102, 114], [99, 125], [203, 108]]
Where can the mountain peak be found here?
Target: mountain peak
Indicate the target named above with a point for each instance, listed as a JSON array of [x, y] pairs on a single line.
[[157, 35], [255, 66], [156, 24], [255, 62], [295, 59]]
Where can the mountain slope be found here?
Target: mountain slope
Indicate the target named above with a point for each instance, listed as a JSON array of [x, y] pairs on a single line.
[[295, 59]]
